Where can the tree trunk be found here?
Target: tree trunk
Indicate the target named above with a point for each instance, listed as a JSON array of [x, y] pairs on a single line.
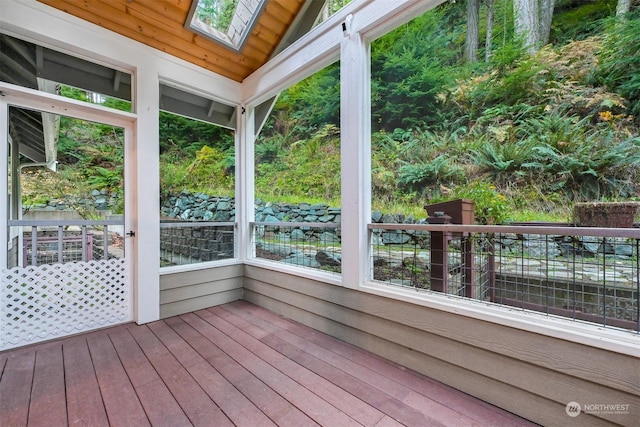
[[488, 41], [473, 31], [623, 7], [527, 24], [546, 16]]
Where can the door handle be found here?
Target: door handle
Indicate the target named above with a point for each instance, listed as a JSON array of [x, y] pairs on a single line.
[[131, 233]]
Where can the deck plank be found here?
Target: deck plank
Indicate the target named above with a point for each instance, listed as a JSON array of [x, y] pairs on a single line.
[[84, 401], [156, 399], [474, 409], [15, 389], [134, 361], [355, 385], [370, 386], [120, 399], [48, 404]]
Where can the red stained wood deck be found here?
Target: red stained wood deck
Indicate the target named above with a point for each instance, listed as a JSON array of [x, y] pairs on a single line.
[[236, 364]]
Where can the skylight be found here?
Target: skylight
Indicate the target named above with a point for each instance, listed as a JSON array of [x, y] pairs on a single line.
[[225, 21]]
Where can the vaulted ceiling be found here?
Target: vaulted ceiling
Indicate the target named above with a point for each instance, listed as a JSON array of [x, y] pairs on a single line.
[[161, 25]]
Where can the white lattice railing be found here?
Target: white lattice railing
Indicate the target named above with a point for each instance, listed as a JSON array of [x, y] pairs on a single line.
[[57, 281], [49, 301]]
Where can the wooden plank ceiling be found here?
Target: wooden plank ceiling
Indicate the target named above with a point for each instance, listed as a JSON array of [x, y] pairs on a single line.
[[161, 25]]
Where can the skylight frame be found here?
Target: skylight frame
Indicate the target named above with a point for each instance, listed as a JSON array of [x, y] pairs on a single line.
[[194, 24]]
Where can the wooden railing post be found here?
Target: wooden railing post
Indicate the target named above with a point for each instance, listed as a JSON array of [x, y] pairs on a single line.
[[468, 267], [439, 268]]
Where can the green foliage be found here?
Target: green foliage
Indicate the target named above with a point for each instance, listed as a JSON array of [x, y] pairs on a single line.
[[73, 93], [216, 13], [620, 61], [68, 150], [416, 176], [411, 66], [117, 104], [513, 85], [86, 96], [268, 149], [533, 126], [103, 178], [308, 105], [406, 89], [210, 169], [173, 178], [110, 180], [545, 130], [502, 162], [588, 169], [188, 136], [578, 20], [195, 156], [489, 206], [310, 168]]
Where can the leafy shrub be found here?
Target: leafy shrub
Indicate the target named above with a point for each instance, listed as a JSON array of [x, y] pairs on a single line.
[[502, 162], [309, 104], [268, 149], [210, 169], [590, 169], [190, 135], [578, 20], [103, 178], [405, 91], [489, 206], [416, 176]]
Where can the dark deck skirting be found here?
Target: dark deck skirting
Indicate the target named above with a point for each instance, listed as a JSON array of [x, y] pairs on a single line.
[[235, 364]]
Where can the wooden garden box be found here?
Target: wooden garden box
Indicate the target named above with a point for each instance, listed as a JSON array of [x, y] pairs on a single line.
[[460, 210], [605, 214]]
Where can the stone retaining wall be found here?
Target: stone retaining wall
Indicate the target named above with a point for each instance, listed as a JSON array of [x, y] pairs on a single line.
[[188, 206], [187, 245], [99, 200]]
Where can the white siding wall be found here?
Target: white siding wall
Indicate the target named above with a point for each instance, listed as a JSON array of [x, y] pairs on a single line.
[[194, 290]]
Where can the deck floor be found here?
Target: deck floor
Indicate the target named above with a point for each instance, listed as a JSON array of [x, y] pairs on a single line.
[[235, 364]]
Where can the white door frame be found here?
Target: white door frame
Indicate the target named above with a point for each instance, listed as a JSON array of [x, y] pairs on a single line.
[[17, 96]]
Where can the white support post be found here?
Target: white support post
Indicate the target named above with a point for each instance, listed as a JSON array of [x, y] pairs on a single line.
[[4, 173], [15, 204], [142, 207], [245, 179], [355, 130]]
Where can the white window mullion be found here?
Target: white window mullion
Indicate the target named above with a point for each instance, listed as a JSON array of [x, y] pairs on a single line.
[[355, 129], [245, 179]]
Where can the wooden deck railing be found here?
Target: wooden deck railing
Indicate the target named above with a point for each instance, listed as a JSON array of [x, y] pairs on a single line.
[[583, 273], [58, 241]]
